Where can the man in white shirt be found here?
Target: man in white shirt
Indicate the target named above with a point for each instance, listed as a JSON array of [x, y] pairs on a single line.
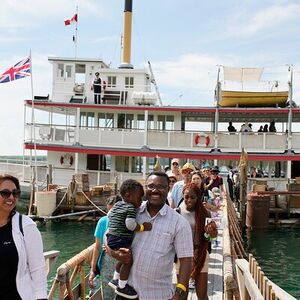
[[153, 251]]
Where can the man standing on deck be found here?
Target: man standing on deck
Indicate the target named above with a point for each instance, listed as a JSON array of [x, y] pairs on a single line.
[[153, 251], [96, 87]]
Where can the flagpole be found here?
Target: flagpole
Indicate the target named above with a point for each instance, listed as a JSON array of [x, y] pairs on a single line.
[[34, 140], [76, 32]]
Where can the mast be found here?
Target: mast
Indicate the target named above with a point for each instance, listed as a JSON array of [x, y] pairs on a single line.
[[127, 28], [290, 120]]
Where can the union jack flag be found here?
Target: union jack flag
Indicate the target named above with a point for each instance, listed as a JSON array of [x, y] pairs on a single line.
[[20, 70]]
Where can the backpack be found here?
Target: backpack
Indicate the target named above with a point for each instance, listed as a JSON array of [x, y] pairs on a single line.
[[21, 224]]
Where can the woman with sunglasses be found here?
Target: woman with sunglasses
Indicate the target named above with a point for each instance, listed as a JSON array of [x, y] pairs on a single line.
[[22, 272], [194, 212]]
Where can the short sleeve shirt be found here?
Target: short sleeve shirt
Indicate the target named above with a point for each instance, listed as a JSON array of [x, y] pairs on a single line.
[[154, 251], [117, 218], [100, 230]]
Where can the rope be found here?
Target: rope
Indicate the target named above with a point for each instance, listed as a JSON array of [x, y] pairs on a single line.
[[104, 212]]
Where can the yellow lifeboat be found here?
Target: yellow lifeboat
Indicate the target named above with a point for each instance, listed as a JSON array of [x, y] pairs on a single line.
[[253, 99]]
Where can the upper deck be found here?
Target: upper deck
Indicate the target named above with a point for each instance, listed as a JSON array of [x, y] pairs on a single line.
[[122, 130]]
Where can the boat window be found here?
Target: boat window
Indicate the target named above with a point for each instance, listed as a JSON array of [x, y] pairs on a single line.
[[121, 120], [87, 119], [60, 70], [125, 121], [80, 74], [106, 120], [151, 122], [111, 81], [129, 121], [140, 122], [169, 122], [90, 120], [129, 82], [69, 71], [98, 162], [80, 68], [83, 119], [165, 122], [122, 163], [136, 164]]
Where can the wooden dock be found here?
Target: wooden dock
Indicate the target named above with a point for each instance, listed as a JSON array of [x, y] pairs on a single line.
[[215, 272]]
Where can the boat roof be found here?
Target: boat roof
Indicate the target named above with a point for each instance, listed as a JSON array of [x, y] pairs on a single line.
[[77, 59]]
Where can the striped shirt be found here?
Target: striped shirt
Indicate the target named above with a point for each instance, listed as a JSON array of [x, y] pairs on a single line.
[[154, 251], [117, 218]]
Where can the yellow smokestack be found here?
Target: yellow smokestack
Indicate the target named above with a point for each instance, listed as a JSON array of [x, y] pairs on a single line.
[[127, 27]]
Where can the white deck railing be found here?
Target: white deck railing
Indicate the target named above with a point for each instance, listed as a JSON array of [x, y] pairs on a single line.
[[253, 284], [158, 139]]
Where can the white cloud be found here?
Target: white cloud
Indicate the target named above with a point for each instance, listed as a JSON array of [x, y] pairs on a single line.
[[16, 14], [268, 18]]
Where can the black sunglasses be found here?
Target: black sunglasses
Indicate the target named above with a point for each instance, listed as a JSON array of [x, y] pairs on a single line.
[[6, 193]]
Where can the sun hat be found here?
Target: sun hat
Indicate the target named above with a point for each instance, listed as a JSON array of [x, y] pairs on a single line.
[[215, 169], [188, 166], [175, 160], [216, 191], [171, 175]]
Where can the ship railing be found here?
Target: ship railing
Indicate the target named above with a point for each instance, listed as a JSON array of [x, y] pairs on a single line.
[[50, 259], [69, 274], [253, 284], [137, 137], [79, 93]]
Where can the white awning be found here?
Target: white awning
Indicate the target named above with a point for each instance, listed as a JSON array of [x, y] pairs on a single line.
[[242, 74]]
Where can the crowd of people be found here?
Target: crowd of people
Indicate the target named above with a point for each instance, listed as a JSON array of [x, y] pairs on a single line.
[[149, 231], [247, 127], [169, 229]]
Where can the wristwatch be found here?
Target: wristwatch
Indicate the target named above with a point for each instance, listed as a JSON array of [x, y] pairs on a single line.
[[180, 292]]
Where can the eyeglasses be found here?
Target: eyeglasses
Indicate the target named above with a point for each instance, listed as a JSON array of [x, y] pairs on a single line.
[[172, 180], [6, 193], [151, 186], [175, 164]]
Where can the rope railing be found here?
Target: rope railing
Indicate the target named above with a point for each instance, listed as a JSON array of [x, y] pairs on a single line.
[[64, 281]]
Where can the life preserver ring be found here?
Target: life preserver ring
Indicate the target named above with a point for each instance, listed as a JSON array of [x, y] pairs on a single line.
[[66, 160], [202, 142], [104, 84]]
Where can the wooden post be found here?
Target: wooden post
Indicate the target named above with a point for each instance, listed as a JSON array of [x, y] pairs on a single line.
[[50, 173], [243, 166]]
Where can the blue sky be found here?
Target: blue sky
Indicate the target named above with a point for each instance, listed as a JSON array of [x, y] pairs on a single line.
[[184, 40]]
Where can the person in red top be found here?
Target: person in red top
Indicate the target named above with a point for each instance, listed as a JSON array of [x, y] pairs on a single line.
[[215, 180]]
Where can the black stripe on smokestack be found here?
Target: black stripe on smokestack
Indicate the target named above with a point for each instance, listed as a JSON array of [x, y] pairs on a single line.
[[126, 54], [128, 5]]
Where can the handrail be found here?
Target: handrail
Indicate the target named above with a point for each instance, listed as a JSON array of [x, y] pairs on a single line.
[[50, 259], [254, 284], [64, 281]]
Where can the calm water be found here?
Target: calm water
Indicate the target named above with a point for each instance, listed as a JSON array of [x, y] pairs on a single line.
[[278, 253], [68, 237]]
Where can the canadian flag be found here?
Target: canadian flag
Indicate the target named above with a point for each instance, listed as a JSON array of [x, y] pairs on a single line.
[[72, 20]]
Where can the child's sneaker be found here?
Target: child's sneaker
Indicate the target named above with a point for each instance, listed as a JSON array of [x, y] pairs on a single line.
[[127, 292], [114, 283], [192, 284]]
